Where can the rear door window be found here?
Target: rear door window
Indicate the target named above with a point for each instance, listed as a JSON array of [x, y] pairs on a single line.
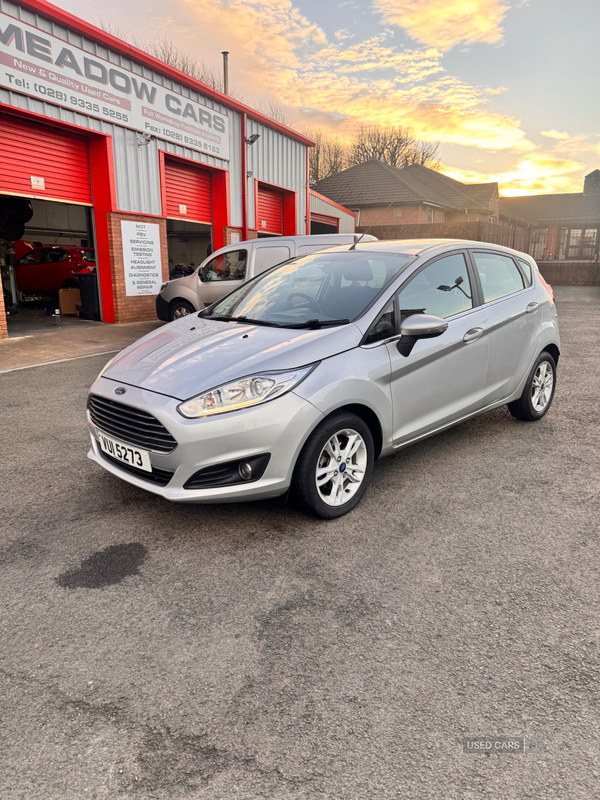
[[35, 257], [499, 275], [267, 257]]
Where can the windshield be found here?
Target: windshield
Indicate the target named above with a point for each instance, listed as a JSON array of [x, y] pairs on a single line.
[[324, 287]]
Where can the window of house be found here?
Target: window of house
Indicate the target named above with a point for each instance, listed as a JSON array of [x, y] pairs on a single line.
[[492, 220], [538, 244], [499, 275], [577, 244], [429, 216], [442, 289]]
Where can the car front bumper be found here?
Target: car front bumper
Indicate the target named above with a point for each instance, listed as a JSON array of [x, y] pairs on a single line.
[[279, 427]]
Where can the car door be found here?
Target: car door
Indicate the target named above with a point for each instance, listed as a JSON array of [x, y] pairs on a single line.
[[29, 268], [514, 317], [443, 379], [221, 275], [267, 256]]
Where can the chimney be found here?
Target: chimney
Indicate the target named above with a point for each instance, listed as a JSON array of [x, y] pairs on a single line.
[[225, 54], [591, 184]]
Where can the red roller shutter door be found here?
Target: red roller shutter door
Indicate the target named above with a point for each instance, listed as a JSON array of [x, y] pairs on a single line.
[[269, 207], [325, 219], [190, 187], [35, 155]]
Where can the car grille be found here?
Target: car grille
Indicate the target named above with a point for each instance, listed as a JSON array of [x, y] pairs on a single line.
[[130, 425], [158, 476]]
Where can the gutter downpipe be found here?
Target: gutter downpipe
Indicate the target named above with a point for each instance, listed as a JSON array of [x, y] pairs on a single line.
[[244, 179], [308, 191]]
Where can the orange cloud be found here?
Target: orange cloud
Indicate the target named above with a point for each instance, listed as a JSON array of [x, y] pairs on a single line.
[[278, 54], [446, 23], [534, 174]]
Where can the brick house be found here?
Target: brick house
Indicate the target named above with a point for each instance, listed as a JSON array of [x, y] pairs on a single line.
[[561, 231], [564, 231], [419, 195]]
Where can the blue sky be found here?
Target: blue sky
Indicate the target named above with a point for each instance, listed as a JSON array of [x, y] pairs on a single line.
[[508, 87]]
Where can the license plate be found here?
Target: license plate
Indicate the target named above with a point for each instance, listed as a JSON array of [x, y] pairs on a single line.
[[125, 452]]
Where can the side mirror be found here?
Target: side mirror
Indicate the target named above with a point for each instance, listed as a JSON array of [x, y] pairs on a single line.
[[419, 326]]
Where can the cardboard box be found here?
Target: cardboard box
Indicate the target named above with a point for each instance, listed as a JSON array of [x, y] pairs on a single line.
[[68, 300]]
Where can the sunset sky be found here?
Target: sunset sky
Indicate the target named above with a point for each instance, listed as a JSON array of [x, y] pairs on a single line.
[[508, 87]]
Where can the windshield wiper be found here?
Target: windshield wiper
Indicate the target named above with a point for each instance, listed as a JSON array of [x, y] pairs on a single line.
[[225, 318], [317, 323]]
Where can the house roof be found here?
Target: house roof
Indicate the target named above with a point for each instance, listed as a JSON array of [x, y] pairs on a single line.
[[540, 208], [376, 183]]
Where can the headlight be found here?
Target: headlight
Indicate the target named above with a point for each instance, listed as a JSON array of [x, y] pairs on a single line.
[[246, 392]]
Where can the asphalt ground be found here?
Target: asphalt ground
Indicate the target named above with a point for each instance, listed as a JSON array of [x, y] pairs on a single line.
[[149, 650]]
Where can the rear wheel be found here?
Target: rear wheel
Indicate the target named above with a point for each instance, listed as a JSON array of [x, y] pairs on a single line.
[[335, 467], [180, 308], [538, 392]]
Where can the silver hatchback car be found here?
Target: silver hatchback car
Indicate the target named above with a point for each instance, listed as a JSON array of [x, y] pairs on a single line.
[[302, 377]]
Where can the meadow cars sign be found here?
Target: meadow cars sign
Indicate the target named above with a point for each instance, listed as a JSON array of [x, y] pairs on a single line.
[[34, 63]]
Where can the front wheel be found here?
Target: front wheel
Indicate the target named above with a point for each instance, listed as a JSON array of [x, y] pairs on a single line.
[[180, 308], [538, 392], [335, 467]]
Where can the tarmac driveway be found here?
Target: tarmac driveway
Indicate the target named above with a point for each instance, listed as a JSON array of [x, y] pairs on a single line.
[[155, 651]]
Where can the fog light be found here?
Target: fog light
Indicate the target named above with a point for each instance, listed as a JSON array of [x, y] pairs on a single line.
[[245, 470]]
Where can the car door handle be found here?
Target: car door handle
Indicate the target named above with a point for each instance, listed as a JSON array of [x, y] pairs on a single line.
[[472, 334], [532, 307]]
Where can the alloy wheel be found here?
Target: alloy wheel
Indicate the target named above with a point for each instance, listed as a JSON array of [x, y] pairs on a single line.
[[182, 311], [542, 386], [341, 467]]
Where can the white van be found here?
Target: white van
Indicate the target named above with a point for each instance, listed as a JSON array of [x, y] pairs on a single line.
[[235, 264]]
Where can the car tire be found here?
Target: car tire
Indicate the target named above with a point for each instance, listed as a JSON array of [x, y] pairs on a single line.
[[180, 308], [345, 468], [538, 392]]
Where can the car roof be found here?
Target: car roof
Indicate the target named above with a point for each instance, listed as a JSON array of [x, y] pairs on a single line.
[[417, 247]]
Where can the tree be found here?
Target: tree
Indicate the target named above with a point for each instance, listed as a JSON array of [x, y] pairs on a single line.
[[169, 52], [327, 157], [395, 145]]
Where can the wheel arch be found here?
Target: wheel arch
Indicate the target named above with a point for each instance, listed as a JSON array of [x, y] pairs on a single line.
[[369, 417], [553, 350]]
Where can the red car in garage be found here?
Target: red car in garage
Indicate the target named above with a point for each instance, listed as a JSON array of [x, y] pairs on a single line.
[[45, 270]]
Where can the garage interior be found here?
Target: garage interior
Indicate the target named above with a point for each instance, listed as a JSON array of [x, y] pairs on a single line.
[[58, 238], [47, 256], [188, 244]]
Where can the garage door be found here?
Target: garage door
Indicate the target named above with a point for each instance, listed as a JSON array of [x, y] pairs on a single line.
[[269, 208], [42, 161], [325, 219], [188, 192]]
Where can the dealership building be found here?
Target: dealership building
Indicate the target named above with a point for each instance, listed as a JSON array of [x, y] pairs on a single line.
[[119, 152]]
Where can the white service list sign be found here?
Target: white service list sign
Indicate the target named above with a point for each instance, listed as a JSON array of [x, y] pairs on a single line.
[[141, 257]]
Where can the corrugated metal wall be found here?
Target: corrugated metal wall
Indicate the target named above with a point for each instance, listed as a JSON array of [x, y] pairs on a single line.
[[320, 206], [276, 159], [136, 167]]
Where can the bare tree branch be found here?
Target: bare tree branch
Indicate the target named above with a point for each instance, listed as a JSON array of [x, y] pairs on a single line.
[[169, 52], [393, 144]]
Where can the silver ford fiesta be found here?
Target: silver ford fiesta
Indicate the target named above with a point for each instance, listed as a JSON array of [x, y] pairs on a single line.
[[302, 377]]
